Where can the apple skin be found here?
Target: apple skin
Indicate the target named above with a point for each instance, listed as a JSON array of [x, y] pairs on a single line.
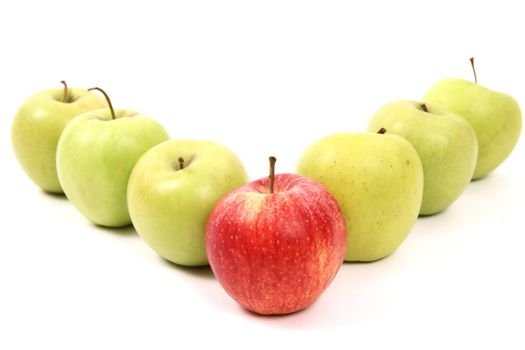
[[37, 127], [95, 157], [275, 253], [445, 143], [378, 182], [494, 116], [169, 206]]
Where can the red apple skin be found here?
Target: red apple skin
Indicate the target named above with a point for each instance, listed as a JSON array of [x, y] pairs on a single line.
[[275, 253]]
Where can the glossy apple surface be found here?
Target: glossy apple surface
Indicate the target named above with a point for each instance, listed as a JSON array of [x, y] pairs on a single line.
[[95, 157], [275, 253], [378, 182], [37, 127], [445, 143], [170, 200]]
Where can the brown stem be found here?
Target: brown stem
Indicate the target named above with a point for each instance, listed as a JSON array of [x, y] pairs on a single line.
[[423, 107], [474, 69], [107, 99], [181, 163], [381, 131], [272, 172], [65, 99]]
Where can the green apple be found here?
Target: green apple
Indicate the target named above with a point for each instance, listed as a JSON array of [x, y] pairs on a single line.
[[494, 116], [173, 189], [95, 156], [37, 126], [377, 179], [445, 143]]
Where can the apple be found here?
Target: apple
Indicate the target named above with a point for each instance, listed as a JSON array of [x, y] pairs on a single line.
[[172, 190], [37, 126], [276, 243], [95, 156], [377, 179], [494, 116], [445, 143]]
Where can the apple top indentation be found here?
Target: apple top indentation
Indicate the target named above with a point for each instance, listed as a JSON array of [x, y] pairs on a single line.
[[65, 95], [423, 107]]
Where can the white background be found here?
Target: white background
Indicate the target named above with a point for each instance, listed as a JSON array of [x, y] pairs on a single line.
[[266, 77]]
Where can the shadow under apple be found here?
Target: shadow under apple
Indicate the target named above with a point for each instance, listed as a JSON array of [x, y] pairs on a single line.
[[124, 231], [203, 281], [203, 272], [53, 195]]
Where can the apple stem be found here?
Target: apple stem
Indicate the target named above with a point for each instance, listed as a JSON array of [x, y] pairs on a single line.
[[272, 172], [423, 107], [474, 69], [66, 99], [181, 163], [107, 99], [381, 131]]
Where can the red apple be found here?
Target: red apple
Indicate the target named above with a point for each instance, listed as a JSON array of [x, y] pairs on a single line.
[[275, 244]]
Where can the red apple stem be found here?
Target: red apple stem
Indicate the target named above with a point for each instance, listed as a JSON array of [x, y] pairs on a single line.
[[272, 172], [474, 69], [66, 99], [381, 131], [423, 107], [107, 99], [181, 163]]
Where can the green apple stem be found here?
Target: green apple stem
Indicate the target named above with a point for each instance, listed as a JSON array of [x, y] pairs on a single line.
[[272, 172], [107, 99], [474, 69], [66, 98], [181, 163], [423, 107], [381, 131]]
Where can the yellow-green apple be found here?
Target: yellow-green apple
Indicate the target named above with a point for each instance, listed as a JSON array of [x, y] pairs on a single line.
[[494, 116], [377, 180], [275, 244], [445, 143], [37, 126], [172, 190], [95, 156]]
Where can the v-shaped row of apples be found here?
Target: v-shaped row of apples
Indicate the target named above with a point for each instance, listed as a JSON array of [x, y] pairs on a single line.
[[274, 244]]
